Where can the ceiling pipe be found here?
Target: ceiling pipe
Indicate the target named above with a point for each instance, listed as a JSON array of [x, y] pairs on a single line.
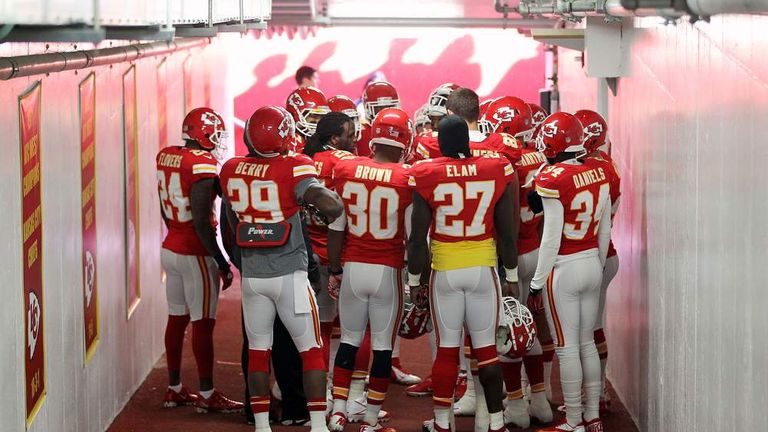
[[581, 8], [21, 66], [701, 8], [418, 22], [615, 8]]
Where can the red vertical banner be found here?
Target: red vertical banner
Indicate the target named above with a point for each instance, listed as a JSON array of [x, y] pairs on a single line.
[[88, 213], [131, 143], [162, 105], [186, 71], [32, 250]]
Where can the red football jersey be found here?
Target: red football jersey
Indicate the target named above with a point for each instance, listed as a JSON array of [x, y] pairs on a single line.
[[363, 145], [502, 144], [262, 189], [324, 161], [426, 147], [462, 194], [614, 179], [583, 190], [527, 167], [178, 168], [298, 143], [375, 197]]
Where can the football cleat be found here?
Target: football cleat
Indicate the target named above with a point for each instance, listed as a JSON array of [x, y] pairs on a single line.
[[594, 425], [365, 427], [516, 413], [402, 376], [504, 429], [563, 426], [337, 422], [461, 387], [431, 426], [217, 402], [466, 405], [424, 388], [356, 410], [173, 399], [539, 407]]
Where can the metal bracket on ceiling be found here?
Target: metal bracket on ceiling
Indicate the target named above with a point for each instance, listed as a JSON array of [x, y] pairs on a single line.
[[572, 38], [159, 33], [80, 33], [196, 31]]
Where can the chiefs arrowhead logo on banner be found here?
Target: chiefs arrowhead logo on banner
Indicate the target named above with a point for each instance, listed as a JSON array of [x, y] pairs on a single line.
[[33, 323]]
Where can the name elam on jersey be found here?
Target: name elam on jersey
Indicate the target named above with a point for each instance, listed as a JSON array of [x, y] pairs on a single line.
[[468, 170]]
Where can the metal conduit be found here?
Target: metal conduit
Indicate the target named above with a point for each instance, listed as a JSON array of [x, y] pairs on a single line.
[[21, 66]]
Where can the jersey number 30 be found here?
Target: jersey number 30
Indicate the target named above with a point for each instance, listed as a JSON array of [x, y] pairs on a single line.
[[369, 213]]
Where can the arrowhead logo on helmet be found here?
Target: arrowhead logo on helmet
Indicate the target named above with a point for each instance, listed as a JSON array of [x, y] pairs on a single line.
[[550, 129], [295, 100], [593, 130], [503, 114]]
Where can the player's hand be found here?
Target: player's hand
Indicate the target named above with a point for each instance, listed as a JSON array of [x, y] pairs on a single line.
[[420, 296], [334, 283], [226, 276], [535, 301], [510, 289]]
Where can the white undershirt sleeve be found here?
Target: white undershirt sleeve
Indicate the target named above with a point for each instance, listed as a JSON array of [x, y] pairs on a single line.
[[604, 232], [340, 224], [550, 241]]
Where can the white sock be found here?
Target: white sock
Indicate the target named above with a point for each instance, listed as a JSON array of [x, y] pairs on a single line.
[[470, 385], [356, 389], [442, 417], [176, 388], [497, 420], [571, 379], [206, 394], [261, 421], [372, 414], [317, 421], [548, 380], [396, 348], [339, 405], [590, 365]]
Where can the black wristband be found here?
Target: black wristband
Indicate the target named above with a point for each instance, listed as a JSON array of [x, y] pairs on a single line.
[[534, 292], [335, 272]]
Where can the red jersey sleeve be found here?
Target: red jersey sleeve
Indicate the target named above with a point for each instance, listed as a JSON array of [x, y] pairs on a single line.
[[199, 164]]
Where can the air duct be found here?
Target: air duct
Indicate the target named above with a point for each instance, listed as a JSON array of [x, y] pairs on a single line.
[[702, 8], [21, 66]]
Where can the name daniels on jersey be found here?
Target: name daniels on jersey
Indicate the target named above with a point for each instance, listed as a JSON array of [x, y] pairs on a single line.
[[587, 178], [461, 170], [373, 173], [170, 161], [251, 169]]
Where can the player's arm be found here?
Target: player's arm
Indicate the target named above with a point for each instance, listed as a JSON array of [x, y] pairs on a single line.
[[326, 201], [418, 250], [202, 206], [162, 212], [554, 215], [507, 221], [604, 231], [336, 234], [313, 268]]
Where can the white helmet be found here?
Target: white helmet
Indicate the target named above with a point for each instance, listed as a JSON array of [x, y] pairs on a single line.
[[438, 99], [517, 330]]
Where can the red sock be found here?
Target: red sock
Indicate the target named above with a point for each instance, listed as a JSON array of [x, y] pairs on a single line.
[[602, 345], [548, 349], [341, 380], [363, 357], [326, 328], [534, 368], [174, 340], [377, 390], [202, 346], [445, 370], [259, 404], [316, 404], [511, 372]]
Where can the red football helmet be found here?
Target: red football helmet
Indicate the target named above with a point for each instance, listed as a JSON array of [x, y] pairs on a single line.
[[416, 322], [269, 132], [517, 331], [510, 115], [483, 124], [438, 99], [377, 96], [560, 132], [595, 129], [307, 105], [347, 106], [392, 127], [206, 127]]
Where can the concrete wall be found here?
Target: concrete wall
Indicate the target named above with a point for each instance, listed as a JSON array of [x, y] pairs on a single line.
[[687, 312], [86, 398]]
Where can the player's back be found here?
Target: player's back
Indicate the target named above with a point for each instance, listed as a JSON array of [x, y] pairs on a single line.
[[375, 196], [614, 179], [267, 191], [363, 145], [494, 143], [584, 192], [462, 194], [426, 146], [324, 161], [178, 168], [526, 167]]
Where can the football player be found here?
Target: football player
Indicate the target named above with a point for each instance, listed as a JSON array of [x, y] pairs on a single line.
[[193, 263], [512, 116], [465, 203], [426, 145], [595, 141], [343, 104], [376, 195], [376, 96], [307, 105], [574, 244], [264, 192]]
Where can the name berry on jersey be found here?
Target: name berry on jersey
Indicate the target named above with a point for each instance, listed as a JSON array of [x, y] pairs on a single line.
[[251, 169]]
